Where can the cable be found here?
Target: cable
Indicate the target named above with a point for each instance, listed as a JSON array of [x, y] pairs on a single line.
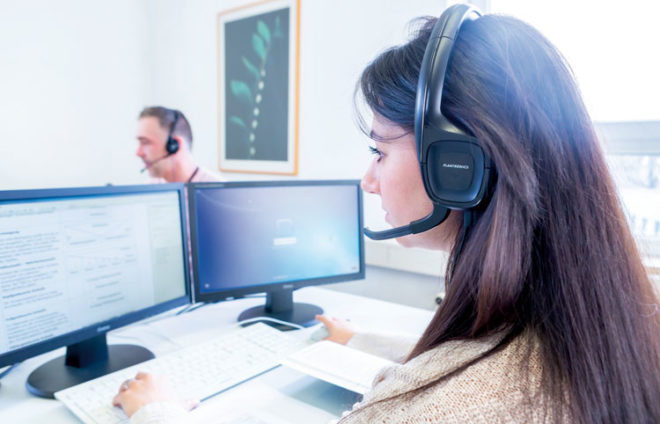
[[468, 221], [195, 306], [467, 224], [186, 309], [8, 369]]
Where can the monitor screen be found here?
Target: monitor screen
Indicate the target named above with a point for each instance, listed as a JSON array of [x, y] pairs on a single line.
[[78, 262], [259, 236]]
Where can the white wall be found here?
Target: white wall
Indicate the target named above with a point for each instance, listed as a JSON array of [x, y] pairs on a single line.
[[72, 75]]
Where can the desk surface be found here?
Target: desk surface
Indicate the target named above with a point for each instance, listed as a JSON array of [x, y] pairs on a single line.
[[282, 394]]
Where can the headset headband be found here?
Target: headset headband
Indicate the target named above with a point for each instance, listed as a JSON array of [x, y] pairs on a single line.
[[432, 73], [174, 122]]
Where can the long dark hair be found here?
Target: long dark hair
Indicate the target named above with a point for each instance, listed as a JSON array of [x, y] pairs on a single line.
[[551, 253]]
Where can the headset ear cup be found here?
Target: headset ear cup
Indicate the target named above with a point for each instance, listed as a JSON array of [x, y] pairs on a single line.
[[172, 145], [456, 172]]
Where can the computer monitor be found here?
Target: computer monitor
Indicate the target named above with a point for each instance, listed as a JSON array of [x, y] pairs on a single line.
[[76, 263], [274, 237]]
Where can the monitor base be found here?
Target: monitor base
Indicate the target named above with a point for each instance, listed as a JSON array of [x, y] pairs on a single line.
[[301, 313], [55, 375]]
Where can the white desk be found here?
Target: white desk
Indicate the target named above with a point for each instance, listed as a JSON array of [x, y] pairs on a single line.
[[282, 393]]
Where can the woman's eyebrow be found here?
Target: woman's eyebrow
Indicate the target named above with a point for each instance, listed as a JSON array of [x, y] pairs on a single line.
[[376, 137]]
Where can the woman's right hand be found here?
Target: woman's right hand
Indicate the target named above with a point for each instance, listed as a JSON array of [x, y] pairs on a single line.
[[146, 388], [341, 331]]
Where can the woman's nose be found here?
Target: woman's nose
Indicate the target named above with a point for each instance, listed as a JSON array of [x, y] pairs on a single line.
[[369, 181]]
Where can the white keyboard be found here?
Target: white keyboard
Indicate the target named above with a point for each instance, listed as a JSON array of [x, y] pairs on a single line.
[[197, 372]]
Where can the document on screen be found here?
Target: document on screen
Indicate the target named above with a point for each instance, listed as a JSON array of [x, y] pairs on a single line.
[[72, 262]]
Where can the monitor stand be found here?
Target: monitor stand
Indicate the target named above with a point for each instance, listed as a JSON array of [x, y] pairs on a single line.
[[83, 361], [280, 305]]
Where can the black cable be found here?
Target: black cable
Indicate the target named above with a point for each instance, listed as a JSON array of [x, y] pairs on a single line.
[[196, 306], [467, 225], [468, 222], [184, 310]]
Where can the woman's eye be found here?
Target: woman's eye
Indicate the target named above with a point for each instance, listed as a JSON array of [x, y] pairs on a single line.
[[375, 151]]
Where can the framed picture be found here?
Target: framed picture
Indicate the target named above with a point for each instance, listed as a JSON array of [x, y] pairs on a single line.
[[258, 89]]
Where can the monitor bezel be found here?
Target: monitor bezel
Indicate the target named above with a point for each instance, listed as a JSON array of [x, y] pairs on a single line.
[[275, 286], [101, 327]]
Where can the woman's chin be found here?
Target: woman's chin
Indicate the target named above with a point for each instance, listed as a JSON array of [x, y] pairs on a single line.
[[424, 241], [406, 241]]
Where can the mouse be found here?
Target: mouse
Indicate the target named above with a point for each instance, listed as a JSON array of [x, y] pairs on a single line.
[[319, 334]]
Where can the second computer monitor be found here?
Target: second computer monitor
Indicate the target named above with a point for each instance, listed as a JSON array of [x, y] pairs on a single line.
[[274, 237]]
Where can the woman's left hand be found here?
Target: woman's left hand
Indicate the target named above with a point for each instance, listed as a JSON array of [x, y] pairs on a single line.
[[147, 388], [340, 331]]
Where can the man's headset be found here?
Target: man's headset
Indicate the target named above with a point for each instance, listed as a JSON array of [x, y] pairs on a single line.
[[455, 169], [171, 145]]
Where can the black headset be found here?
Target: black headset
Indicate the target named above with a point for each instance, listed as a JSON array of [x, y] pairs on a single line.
[[454, 167], [172, 144]]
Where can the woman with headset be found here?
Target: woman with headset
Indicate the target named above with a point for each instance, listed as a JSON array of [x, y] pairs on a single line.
[[549, 315]]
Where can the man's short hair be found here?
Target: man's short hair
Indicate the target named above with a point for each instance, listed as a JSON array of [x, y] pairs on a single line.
[[166, 118]]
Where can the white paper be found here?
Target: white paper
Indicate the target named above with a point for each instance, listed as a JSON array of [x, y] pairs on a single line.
[[337, 364]]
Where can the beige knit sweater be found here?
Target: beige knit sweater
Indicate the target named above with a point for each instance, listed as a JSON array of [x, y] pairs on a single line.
[[501, 388]]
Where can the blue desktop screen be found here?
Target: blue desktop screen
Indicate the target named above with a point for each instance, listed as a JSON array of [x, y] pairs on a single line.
[[252, 236]]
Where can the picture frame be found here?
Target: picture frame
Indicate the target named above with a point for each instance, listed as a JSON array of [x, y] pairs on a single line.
[[258, 87]]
